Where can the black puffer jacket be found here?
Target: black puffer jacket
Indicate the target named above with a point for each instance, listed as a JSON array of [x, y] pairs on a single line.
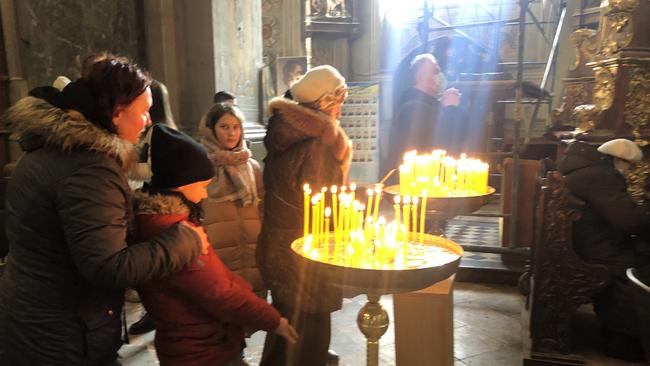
[[68, 213], [610, 218]]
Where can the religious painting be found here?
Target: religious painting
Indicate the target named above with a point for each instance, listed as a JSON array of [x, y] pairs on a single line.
[[328, 9], [288, 70]]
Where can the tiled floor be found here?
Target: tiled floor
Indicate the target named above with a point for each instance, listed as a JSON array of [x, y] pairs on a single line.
[[487, 332]]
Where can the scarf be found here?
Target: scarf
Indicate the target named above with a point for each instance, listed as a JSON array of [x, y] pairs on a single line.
[[234, 178]]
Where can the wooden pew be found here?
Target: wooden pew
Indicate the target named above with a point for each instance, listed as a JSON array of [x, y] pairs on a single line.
[[558, 281]]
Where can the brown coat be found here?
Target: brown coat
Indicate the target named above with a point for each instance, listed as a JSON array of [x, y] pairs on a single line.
[[304, 146], [233, 230]]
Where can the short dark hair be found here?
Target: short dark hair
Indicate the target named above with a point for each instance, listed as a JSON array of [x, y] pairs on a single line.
[[222, 96], [219, 110], [113, 81]]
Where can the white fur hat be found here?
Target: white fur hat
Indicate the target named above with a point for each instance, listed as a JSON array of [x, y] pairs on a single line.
[[315, 83], [60, 82], [623, 149]]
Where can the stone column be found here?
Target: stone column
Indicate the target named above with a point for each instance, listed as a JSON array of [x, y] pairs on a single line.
[[199, 47]]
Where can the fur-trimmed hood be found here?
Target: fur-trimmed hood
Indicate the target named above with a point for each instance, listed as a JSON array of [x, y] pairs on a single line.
[[158, 204], [35, 123], [301, 123]]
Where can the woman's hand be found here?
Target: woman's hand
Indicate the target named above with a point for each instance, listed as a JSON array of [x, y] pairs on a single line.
[[285, 330]]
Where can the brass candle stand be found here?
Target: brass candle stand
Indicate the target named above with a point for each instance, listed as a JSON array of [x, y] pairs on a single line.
[[428, 259]]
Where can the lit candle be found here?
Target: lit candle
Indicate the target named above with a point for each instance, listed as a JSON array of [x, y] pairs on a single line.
[[353, 188], [328, 213], [423, 213], [398, 215], [314, 231], [306, 200], [335, 217], [370, 193], [377, 199], [407, 214], [414, 214]]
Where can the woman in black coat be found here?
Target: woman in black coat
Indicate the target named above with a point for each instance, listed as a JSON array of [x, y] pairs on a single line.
[[69, 210], [613, 230]]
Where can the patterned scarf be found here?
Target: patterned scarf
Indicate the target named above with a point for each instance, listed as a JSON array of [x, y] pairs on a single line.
[[234, 178]]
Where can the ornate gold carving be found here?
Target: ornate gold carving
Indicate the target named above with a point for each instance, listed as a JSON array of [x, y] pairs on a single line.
[[605, 87], [637, 104], [625, 5], [576, 94], [617, 32], [636, 181], [586, 45]]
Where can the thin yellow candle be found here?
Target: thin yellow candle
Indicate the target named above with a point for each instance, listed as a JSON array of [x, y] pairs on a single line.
[[314, 231], [375, 212], [414, 214], [398, 215], [423, 213], [353, 188], [328, 213], [370, 193], [321, 212], [306, 200], [407, 213], [333, 190]]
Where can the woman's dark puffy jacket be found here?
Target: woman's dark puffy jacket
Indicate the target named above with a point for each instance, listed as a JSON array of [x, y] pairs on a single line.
[[68, 206]]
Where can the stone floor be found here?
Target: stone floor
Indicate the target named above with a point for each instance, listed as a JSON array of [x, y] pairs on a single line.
[[487, 331]]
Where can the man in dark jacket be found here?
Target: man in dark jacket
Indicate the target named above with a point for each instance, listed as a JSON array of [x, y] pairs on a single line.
[[611, 231], [69, 208], [427, 116]]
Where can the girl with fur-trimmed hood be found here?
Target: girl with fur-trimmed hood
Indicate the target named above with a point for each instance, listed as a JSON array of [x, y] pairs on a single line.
[[233, 210], [200, 312], [69, 208], [305, 144]]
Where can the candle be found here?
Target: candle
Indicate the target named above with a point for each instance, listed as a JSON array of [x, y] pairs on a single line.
[[306, 200], [370, 193], [328, 213], [377, 199], [414, 214], [398, 215], [407, 214], [314, 202], [423, 214], [335, 222]]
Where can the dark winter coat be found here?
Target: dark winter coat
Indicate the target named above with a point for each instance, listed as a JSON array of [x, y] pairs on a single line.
[[304, 146], [610, 217], [423, 124], [201, 311], [69, 206]]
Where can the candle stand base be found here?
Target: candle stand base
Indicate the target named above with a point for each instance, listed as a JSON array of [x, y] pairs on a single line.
[[373, 322]]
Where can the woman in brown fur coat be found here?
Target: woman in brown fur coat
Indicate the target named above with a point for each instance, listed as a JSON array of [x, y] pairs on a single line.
[[305, 144]]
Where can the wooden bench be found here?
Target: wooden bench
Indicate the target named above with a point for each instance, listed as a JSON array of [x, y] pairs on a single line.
[[557, 281]]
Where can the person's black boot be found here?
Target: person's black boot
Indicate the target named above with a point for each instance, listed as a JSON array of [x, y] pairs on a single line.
[[144, 325]]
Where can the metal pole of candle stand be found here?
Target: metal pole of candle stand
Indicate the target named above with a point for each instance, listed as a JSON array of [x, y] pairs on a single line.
[[373, 322]]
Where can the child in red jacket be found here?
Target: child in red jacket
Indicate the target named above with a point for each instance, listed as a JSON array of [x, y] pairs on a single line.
[[201, 311]]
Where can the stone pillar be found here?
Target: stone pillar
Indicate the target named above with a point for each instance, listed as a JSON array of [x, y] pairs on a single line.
[[282, 28], [199, 47]]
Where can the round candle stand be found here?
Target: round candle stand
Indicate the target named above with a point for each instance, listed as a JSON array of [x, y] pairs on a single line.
[[440, 209], [373, 319]]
